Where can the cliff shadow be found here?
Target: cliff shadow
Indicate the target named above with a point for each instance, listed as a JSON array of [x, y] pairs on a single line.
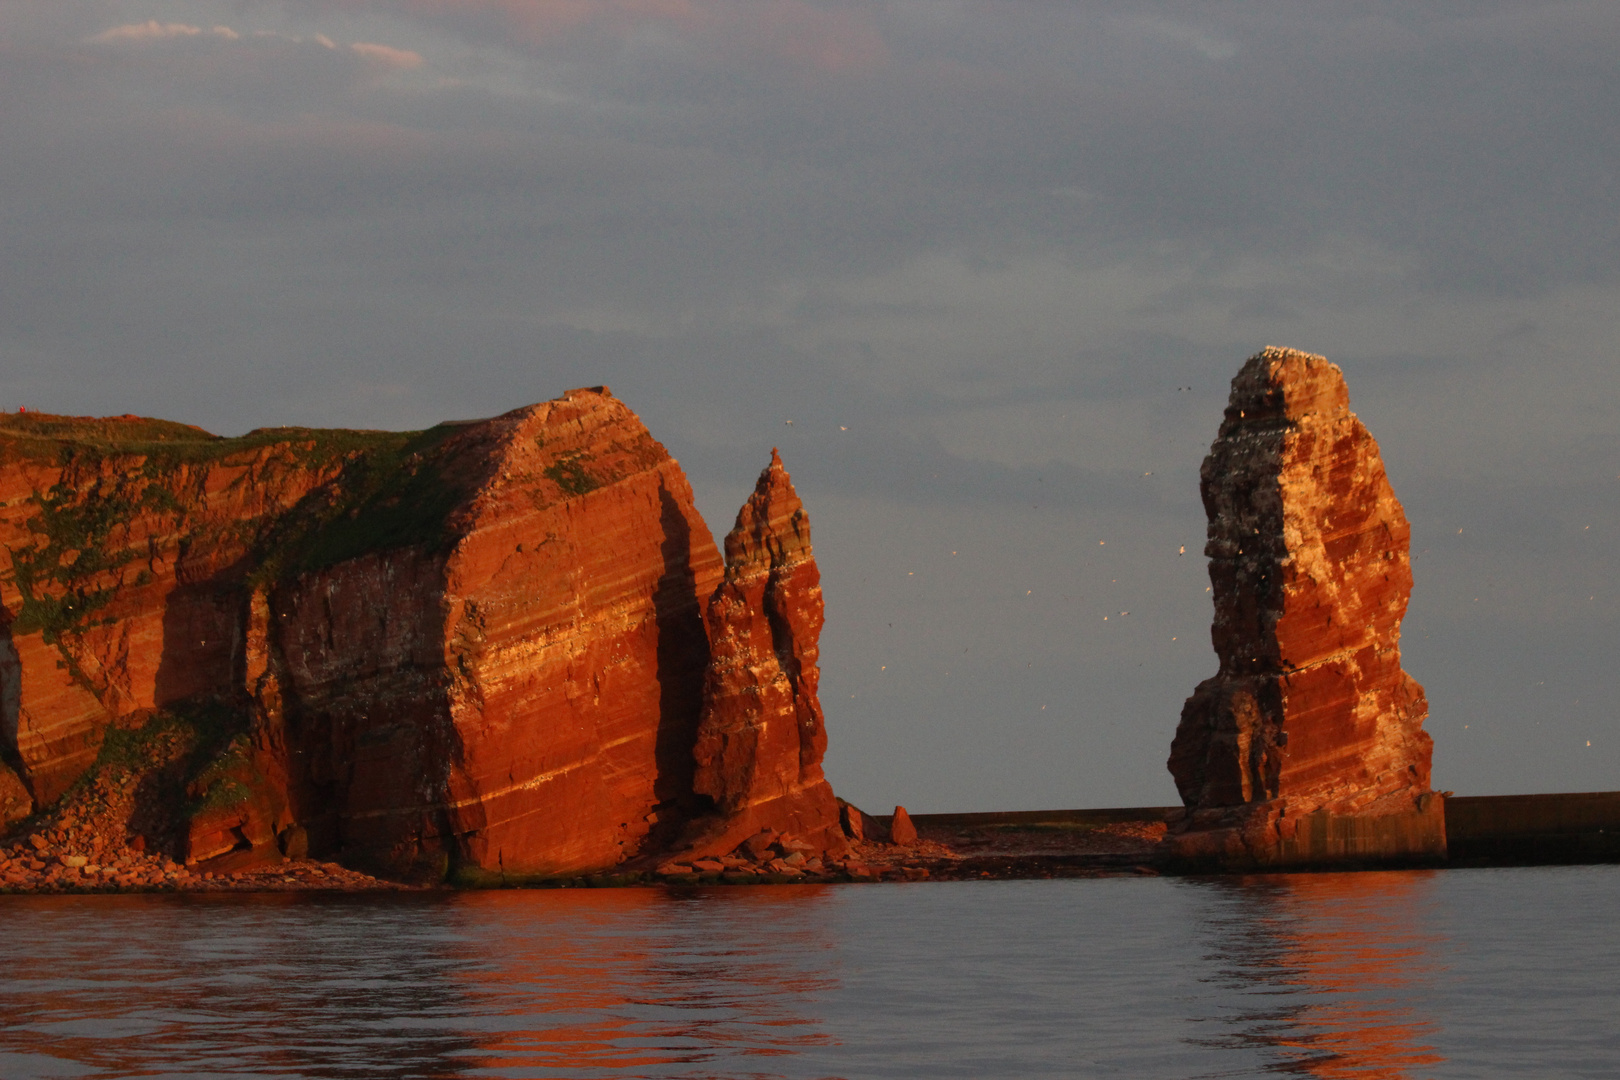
[[197, 685], [683, 657], [203, 635], [10, 695]]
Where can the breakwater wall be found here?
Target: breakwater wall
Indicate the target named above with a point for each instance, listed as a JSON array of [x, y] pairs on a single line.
[[1035, 818], [1481, 830], [1506, 830]]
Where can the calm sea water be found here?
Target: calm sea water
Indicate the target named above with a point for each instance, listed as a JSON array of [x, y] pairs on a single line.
[[1462, 973]]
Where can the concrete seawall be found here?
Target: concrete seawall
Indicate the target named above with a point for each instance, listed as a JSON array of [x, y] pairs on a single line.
[[1505, 830], [1111, 816], [1481, 830]]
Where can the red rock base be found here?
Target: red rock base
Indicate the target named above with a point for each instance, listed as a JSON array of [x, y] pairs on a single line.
[[1262, 836]]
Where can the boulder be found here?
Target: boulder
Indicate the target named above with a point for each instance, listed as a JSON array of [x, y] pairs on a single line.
[[901, 830], [758, 847], [1308, 744], [853, 821]]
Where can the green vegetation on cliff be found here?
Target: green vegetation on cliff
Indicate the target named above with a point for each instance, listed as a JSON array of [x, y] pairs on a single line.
[[377, 491], [63, 577], [323, 496], [166, 445], [397, 493], [173, 763], [570, 474], [41, 435]]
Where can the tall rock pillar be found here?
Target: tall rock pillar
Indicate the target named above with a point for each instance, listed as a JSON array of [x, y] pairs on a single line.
[[761, 735], [1308, 745]]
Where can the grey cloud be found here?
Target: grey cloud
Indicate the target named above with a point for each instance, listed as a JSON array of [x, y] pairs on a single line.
[[939, 238], [744, 185]]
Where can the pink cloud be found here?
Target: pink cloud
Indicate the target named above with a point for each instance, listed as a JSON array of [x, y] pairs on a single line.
[[387, 56], [372, 53], [152, 30], [805, 35]]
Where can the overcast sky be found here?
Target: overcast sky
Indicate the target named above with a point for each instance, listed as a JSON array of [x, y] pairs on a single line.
[[996, 262]]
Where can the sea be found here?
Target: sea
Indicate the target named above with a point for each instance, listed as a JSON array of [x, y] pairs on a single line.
[[1443, 973]]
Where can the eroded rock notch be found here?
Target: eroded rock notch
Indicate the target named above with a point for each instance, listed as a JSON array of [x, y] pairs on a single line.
[[1308, 745]]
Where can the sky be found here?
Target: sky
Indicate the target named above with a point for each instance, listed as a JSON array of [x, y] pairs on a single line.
[[982, 270]]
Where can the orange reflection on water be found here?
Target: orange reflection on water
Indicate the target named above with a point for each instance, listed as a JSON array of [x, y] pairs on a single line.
[[557, 983], [1339, 964], [633, 979]]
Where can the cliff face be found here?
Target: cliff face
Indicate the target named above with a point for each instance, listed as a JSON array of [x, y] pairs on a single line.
[[479, 646], [575, 614], [119, 571], [762, 736], [1311, 717]]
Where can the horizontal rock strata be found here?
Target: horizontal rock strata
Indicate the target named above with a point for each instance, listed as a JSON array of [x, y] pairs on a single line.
[[478, 648], [1311, 729]]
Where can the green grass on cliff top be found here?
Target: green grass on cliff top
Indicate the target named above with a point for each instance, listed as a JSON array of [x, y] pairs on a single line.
[[392, 490], [43, 437], [396, 492]]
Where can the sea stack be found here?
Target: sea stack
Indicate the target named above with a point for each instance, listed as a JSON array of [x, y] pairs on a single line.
[[1307, 747], [761, 735]]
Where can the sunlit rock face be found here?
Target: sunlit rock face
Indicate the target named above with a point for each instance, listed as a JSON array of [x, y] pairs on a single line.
[[762, 736], [478, 648], [125, 545], [1308, 745], [573, 607]]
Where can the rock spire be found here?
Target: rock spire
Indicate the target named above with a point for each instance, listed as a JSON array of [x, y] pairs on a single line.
[[761, 735]]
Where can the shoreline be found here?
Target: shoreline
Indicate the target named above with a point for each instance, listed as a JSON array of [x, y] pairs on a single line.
[[1575, 828]]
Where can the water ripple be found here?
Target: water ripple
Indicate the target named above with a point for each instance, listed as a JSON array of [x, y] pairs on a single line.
[[1389, 976]]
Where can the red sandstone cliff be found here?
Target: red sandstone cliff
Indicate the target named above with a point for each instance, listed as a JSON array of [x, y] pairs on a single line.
[[478, 647], [762, 736], [1308, 744], [110, 564]]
